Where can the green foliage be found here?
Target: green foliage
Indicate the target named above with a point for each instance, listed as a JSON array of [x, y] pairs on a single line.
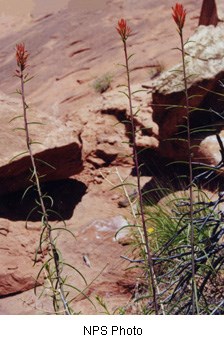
[[168, 226], [172, 215], [103, 83], [102, 303], [53, 268]]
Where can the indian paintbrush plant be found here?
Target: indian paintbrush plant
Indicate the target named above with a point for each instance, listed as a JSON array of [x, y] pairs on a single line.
[[179, 15], [187, 230], [184, 231], [53, 266], [124, 32]]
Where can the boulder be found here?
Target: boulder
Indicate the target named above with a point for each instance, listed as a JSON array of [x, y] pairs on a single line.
[[57, 153], [209, 149], [15, 282], [205, 71]]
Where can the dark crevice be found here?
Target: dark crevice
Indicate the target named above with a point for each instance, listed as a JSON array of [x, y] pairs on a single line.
[[11, 294], [65, 194], [79, 51], [166, 177], [122, 117]]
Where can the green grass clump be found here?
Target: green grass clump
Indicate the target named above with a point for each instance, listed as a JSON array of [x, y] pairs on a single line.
[[103, 83], [168, 221]]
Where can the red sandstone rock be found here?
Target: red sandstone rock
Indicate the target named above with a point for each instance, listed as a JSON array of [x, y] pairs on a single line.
[[59, 147]]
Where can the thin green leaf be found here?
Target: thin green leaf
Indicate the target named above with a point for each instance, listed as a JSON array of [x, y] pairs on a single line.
[[38, 123], [80, 292], [29, 214], [130, 56], [18, 155], [123, 184], [18, 129], [39, 273], [120, 91], [24, 194], [14, 118], [65, 229], [44, 162], [76, 270]]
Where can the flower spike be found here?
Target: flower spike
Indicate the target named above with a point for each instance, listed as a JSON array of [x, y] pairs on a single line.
[[21, 56], [179, 14], [123, 30]]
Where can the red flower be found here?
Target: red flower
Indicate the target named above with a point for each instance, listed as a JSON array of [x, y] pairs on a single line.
[[122, 29], [21, 56], [179, 15]]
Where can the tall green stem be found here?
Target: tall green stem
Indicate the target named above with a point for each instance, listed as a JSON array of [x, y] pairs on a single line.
[[46, 223], [135, 155], [194, 288]]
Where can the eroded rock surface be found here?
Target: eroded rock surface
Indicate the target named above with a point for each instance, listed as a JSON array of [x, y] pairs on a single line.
[[18, 246], [57, 151]]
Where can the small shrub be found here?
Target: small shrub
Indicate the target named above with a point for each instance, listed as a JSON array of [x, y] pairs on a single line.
[[103, 83]]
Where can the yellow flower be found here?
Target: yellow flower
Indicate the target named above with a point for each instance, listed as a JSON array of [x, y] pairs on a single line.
[[150, 230]]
